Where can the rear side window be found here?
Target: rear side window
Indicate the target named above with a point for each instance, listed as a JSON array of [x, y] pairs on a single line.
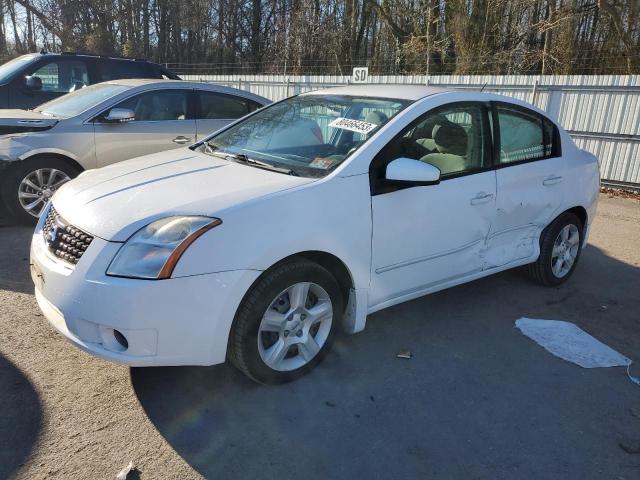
[[115, 70], [62, 76], [525, 135], [212, 105]]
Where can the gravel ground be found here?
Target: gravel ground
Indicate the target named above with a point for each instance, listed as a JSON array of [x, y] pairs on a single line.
[[477, 400]]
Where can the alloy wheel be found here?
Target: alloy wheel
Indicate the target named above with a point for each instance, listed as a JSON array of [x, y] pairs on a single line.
[[565, 250], [37, 188], [295, 326]]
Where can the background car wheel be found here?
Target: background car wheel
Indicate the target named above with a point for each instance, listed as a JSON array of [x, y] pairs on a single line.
[[286, 322], [560, 247], [30, 184]]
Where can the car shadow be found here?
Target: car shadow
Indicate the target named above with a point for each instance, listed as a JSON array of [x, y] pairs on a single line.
[[477, 398], [20, 418], [15, 242]]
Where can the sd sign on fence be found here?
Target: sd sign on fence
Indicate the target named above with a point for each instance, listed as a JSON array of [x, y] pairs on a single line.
[[360, 75]]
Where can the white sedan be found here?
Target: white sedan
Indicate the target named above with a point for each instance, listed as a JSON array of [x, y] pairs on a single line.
[[259, 242]]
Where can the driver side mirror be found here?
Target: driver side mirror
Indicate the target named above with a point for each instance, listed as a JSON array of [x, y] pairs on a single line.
[[33, 83], [410, 172], [120, 115]]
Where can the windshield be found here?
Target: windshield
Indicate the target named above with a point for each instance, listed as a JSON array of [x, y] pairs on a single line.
[[8, 69], [309, 135], [74, 103]]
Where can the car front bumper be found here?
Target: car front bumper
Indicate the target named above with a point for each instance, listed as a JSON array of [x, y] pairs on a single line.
[[179, 321]]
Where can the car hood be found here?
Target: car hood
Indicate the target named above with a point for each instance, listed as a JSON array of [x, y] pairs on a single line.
[[18, 121], [115, 201]]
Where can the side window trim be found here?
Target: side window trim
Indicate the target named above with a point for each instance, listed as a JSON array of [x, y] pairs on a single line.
[[556, 146], [489, 145]]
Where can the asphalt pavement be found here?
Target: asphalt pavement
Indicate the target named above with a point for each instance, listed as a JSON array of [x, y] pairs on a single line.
[[476, 400]]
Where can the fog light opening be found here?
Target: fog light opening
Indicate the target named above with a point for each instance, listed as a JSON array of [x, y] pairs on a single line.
[[121, 339]]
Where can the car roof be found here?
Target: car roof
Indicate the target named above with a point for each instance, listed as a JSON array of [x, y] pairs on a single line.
[[401, 92], [141, 82]]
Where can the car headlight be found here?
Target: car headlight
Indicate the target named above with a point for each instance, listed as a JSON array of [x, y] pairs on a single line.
[[153, 251]]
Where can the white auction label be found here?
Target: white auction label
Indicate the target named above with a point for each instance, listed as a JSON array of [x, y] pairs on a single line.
[[353, 125]]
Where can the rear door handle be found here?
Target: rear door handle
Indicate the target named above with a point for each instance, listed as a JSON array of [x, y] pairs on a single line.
[[481, 198], [552, 180], [181, 139]]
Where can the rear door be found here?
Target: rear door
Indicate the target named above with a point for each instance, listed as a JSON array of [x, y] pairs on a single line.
[[531, 180], [163, 121], [214, 110]]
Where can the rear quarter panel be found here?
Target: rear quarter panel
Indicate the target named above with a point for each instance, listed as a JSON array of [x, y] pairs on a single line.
[[583, 173]]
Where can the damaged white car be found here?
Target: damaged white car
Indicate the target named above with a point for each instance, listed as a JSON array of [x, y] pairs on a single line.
[[259, 242]]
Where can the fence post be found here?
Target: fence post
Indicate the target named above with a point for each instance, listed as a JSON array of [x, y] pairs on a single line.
[[534, 92]]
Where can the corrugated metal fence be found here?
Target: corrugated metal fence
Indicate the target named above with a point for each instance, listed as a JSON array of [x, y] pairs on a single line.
[[602, 113]]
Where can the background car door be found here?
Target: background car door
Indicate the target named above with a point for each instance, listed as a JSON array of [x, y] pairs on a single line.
[[429, 235], [58, 76], [214, 110], [162, 122], [530, 177]]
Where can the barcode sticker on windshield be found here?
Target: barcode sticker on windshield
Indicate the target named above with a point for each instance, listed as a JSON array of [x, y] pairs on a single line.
[[353, 125]]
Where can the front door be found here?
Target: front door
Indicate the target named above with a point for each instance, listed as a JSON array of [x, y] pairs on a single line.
[[425, 236], [161, 122]]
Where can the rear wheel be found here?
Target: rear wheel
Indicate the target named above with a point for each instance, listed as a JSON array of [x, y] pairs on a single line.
[[560, 247], [30, 184], [286, 322]]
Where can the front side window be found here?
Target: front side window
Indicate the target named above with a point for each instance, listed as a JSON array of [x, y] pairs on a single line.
[[63, 76], [212, 105], [158, 105], [80, 101], [308, 134], [452, 138], [525, 135]]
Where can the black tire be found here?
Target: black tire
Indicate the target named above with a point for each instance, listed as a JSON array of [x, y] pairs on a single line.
[[541, 271], [14, 176], [243, 340]]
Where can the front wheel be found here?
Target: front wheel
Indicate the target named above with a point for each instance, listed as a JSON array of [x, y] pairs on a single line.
[[286, 322], [29, 185], [560, 247]]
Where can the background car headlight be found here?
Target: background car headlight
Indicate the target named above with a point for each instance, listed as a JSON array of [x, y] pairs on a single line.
[[153, 251]]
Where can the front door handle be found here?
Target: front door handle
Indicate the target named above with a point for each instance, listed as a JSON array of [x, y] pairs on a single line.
[[552, 180], [181, 139], [481, 198]]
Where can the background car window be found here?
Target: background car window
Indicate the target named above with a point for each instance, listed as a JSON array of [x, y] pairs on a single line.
[[452, 139], [113, 70], [64, 76], [525, 135], [217, 105], [158, 105]]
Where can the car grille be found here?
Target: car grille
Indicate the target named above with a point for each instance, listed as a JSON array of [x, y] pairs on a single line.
[[64, 241]]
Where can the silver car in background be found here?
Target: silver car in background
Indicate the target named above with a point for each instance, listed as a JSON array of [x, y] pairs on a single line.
[[101, 124]]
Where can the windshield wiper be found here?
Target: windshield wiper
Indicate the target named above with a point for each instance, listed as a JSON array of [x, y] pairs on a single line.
[[242, 158]]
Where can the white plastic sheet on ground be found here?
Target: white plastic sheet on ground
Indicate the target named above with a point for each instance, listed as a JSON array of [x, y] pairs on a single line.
[[569, 342]]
